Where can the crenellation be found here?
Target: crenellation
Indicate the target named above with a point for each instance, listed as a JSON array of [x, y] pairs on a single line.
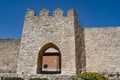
[[57, 30], [76, 49], [44, 12], [58, 13], [30, 13], [73, 16], [72, 13]]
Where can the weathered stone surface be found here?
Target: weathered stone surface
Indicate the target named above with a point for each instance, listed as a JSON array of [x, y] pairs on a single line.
[[61, 31], [49, 77], [9, 49], [102, 49], [82, 49]]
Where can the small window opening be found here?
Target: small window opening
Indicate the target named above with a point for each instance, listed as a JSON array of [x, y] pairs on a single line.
[[45, 65]]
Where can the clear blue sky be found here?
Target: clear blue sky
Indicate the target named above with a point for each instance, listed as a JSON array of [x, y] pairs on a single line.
[[93, 13]]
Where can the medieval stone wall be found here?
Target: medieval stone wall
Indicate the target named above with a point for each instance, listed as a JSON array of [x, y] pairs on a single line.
[[41, 30], [90, 49], [80, 49], [102, 49], [9, 50]]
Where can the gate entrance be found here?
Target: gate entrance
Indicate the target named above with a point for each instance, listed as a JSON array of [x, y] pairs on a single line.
[[49, 61]]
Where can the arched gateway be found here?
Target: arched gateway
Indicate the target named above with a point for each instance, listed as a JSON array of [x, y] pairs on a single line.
[[49, 59], [51, 44]]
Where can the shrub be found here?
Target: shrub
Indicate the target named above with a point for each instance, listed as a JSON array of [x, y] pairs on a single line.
[[38, 79], [90, 76], [12, 78]]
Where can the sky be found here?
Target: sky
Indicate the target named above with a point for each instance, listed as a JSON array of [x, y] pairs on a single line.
[[91, 13]]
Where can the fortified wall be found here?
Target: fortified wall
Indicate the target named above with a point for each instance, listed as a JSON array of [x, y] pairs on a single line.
[[9, 51], [80, 49], [43, 32], [102, 49]]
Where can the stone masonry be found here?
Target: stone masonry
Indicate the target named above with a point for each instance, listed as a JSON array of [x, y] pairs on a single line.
[[9, 49], [57, 29], [81, 49], [102, 49]]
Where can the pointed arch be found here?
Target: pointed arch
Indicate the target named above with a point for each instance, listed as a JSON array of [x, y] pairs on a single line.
[[45, 62]]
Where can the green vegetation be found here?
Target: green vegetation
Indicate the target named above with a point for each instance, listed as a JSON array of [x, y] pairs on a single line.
[[91, 76], [83, 76]]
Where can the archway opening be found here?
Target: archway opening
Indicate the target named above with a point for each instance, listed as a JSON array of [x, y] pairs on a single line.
[[49, 60]]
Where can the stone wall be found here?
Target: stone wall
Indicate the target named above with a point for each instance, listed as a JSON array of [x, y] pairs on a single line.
[[80, 49], [9, 49], [102, 49], [90, 49], [27, 77], [42, 30]]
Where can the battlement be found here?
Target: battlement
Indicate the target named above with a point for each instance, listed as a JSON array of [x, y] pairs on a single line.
[[57, 13]]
